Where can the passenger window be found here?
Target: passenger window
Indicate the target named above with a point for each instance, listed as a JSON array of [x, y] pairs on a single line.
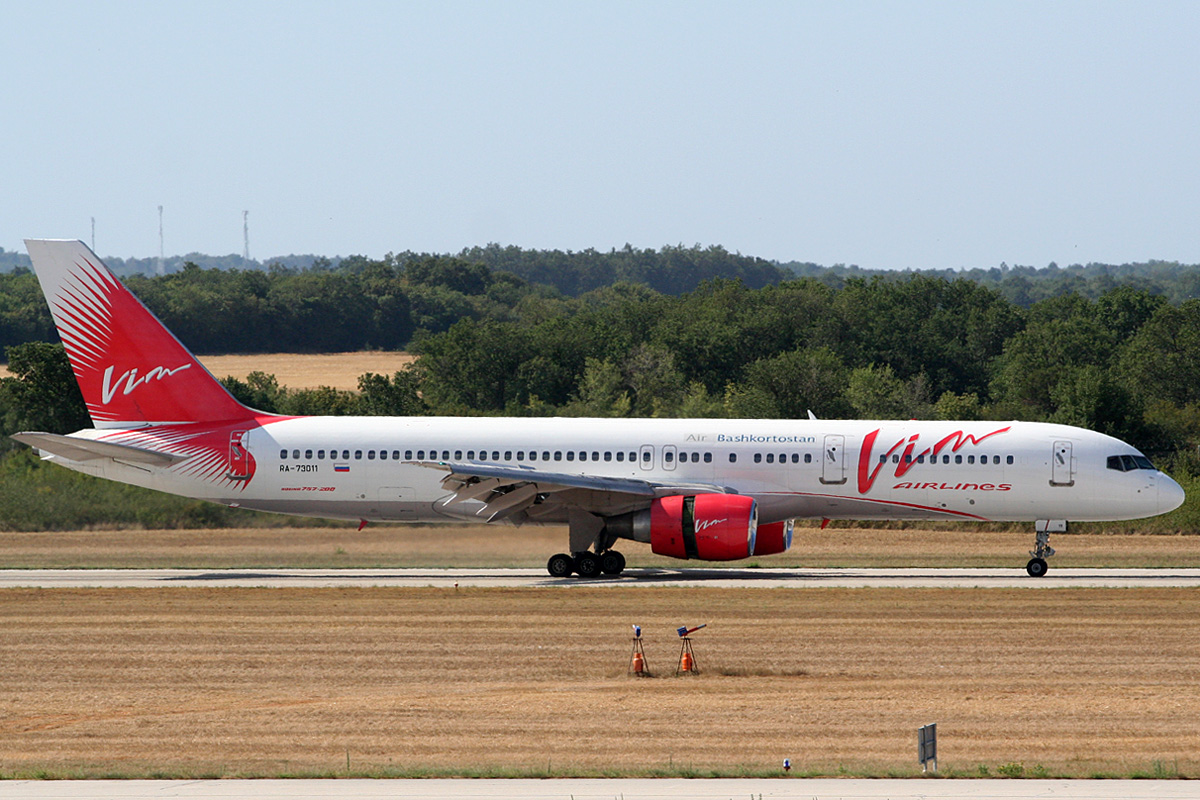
[[945, 459], [770, 458], [995, 459], [295, 454], [508, 455], [458, 455], [669, 457], [383, 455], [608, 455], [533, 455], [545, 455], [595, 456], [708, 458], [345, 455], [283, 454], [758, 458], [620, 455], [733, 458], [795, 458], [921, 459], [420, 455], [320, 454], [358, 455], [808, 458], [896, 459], [1009, 459], [370, 455], [958, 459], [970, 459], [570, 455], [583, 455], [408, 455], [520, 455], [558, 455], [645, 456]]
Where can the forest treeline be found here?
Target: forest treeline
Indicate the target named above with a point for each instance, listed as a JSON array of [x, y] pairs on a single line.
[[1126, 362]]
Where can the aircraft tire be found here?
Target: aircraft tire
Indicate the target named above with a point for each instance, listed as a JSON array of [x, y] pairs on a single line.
[[612, 563], [560, 565], [1036, 567], [587, 565]]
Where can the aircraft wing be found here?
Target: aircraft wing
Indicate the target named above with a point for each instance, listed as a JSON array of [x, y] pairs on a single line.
[[75, 449], [506, 491]]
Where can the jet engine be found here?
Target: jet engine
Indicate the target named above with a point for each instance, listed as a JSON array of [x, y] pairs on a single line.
[[773, 538], [711, 527]]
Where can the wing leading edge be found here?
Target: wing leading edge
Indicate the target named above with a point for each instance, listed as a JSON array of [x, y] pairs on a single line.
[[508, 491]]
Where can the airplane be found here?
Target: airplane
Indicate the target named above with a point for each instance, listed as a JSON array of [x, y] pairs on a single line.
[[704, 489]]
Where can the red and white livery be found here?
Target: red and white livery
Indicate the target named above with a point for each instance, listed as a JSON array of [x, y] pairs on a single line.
[[704, 489]]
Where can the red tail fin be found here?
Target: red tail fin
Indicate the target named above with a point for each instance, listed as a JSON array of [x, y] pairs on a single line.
[[130, 368]]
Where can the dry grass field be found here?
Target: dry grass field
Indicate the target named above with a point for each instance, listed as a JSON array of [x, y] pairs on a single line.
[[304, 370], [263, 682], [308, 371], [502, 546]]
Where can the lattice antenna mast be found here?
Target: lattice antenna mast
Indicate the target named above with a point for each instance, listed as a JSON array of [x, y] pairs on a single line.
[[160, 241]]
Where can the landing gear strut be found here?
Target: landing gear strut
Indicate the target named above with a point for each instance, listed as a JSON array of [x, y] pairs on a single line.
[[1042, 549]]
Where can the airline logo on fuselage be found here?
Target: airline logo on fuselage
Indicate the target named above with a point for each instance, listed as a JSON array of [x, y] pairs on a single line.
[[130, 380], [908, 457]]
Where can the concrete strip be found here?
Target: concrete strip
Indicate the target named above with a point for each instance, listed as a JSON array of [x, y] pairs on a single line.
[[508, 578], [603, 789]]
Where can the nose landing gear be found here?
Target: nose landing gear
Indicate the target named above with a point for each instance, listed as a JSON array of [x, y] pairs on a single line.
[[1042, 550]]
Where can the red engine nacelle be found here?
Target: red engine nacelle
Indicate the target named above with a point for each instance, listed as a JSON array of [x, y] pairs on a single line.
[[712, 527], [773, 538]]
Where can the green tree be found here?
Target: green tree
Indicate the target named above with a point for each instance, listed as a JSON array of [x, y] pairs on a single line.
[[43, 394]]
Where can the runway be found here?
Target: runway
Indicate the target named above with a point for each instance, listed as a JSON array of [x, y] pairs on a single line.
[[605, 789], [536, 578]]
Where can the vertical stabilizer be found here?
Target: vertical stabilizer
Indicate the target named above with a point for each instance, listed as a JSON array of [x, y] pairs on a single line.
[[131, 369]]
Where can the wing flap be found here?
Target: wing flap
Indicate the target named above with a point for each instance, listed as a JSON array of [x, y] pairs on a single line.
[[75, 449]]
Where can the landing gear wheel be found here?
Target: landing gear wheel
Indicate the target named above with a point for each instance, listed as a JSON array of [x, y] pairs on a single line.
[[587, 565], [560, 565], [612, 563], [1036, 567]]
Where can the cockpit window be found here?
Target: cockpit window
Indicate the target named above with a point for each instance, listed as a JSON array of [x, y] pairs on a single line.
[[1129, 463]]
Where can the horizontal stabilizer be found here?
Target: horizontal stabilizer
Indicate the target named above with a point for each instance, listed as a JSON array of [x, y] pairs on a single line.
[[74, 449]]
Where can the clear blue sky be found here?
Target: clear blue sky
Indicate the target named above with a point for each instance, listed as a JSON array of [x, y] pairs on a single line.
[[899, 134]]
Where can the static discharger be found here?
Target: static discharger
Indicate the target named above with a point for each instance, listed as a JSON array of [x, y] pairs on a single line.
[[687, 656], [637, 661]]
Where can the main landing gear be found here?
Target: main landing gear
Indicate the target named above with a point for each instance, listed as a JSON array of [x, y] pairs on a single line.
[[1042, 550], [586, 564]]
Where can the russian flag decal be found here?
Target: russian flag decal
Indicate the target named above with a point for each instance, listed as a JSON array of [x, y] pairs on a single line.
[[341, 467]]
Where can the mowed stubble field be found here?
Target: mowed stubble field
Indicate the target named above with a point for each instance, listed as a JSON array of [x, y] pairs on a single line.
[[304, 370], [189, 682]]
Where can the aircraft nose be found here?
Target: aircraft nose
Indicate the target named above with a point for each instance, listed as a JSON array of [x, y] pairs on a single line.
[[1170, 495]]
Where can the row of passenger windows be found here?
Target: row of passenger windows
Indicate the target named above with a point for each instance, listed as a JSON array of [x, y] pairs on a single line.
[[958, 459], [495, 455], [621, 456]]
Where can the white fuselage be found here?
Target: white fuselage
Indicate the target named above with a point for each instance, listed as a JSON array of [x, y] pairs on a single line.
[[361, 468]]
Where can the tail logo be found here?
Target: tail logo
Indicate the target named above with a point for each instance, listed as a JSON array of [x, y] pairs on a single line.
[[130, 378]]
